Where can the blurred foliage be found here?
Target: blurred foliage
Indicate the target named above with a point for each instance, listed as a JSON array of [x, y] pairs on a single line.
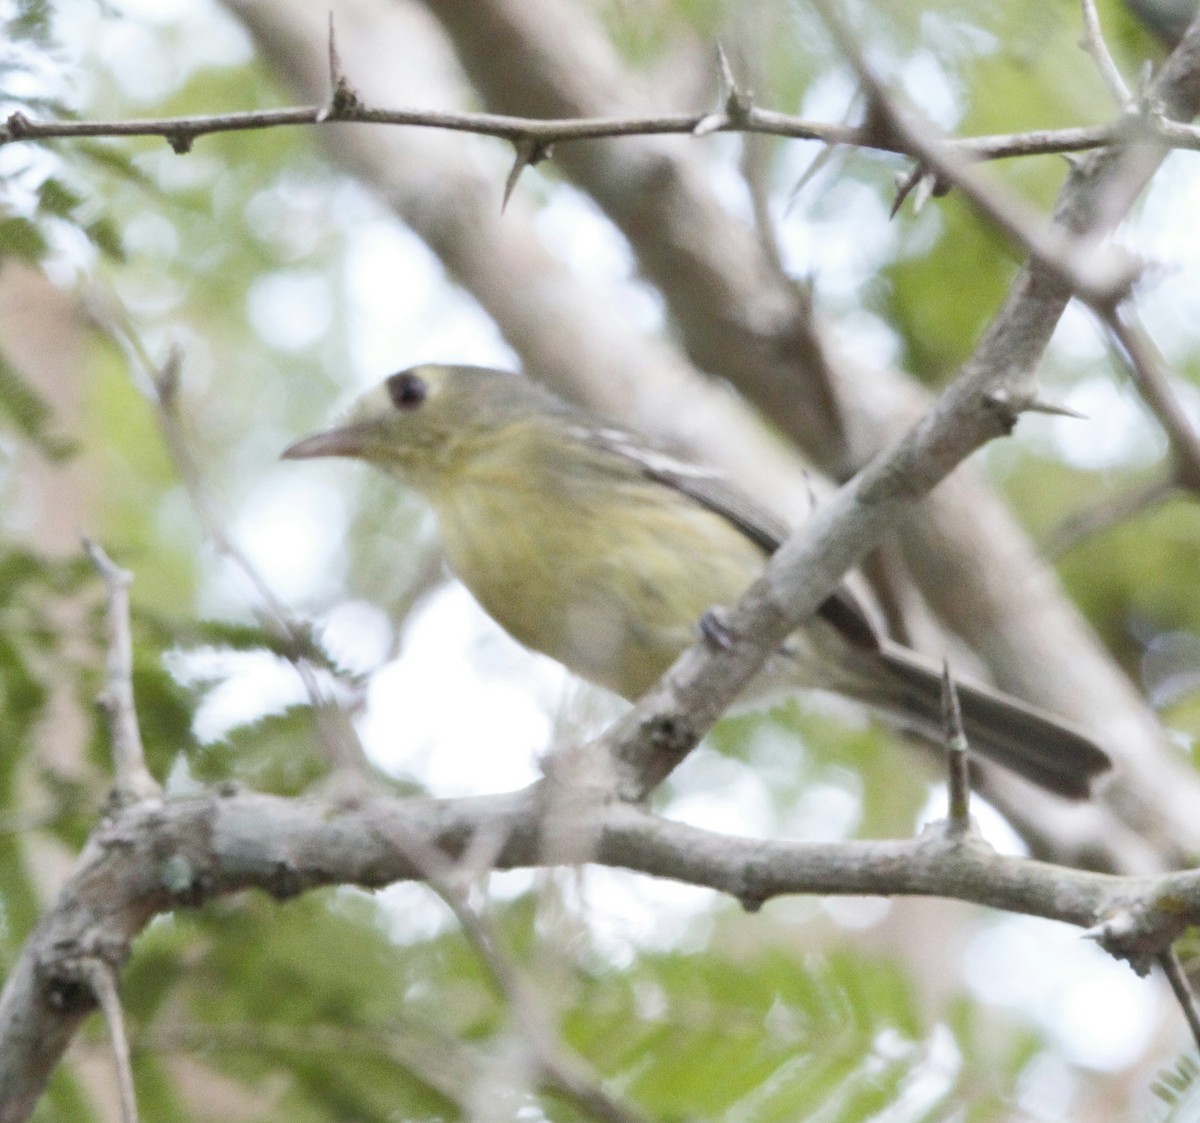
[[342, 1006], [1178, 1089], [381, 1030]]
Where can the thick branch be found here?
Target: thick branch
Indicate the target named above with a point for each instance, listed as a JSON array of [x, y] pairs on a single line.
[[154, 857]]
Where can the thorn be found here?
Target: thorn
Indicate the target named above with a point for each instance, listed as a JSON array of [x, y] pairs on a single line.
[[1012, 405], [905, 183], [711, 123], [725, 73], [1054, 409], [716, 632], [529, 151], [959, 782], [343, 97], [1006, 406], [1145, 78], [737, 102], [923, 185], [335, 59], [927, 187]]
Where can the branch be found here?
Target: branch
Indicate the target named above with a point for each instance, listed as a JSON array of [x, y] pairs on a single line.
[[132, 779], [1107, 513], [647, 743], [181, 132], [1147, 369], [102, 978], [1100, 276], [555, 1063], [335, 731], [1182, 989], [154, 857], [557, 1066], [1094, 44]]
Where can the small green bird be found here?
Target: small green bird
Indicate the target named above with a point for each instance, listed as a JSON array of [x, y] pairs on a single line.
[[602, 549]]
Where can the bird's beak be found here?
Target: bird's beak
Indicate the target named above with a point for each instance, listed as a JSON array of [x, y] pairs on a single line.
[[348, 440]]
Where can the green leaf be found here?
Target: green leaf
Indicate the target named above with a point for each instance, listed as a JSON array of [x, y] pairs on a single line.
[[21, 238], [103, 234], [33, 22], [56, 198]]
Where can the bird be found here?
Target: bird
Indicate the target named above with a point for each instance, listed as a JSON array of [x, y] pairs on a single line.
[[604, 549]]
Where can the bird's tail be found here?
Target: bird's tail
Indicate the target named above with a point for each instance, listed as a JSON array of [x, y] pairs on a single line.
[[1027, 740]]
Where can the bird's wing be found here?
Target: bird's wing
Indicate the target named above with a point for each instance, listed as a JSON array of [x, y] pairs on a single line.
[[713, 491]]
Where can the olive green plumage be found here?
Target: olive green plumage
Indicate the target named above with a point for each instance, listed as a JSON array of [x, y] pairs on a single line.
[[603, 549]]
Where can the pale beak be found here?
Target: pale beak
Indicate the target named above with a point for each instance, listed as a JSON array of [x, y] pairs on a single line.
[[349, 440]]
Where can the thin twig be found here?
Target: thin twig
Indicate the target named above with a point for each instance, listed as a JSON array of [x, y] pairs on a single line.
[[1148, 369], [1107, 513], [334, 729], [958, 814], [755, 168], [1177, 134], [1098, 275], [132, 779], [1182, 988], [102, 979], [560, 1068], [1094, 44], [556, 1064], [182, 131]]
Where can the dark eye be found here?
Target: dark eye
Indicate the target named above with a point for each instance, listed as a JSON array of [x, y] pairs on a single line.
[[407, 390]]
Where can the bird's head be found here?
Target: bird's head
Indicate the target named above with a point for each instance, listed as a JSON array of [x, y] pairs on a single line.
[[417, 421]]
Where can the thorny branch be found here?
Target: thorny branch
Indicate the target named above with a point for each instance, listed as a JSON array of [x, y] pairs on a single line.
[[540, 134], [1097, 275]]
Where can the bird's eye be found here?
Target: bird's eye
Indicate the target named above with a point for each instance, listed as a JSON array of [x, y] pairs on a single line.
[[407, 390]]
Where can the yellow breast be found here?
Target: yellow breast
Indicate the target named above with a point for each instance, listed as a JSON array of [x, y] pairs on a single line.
[[607, 574]]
